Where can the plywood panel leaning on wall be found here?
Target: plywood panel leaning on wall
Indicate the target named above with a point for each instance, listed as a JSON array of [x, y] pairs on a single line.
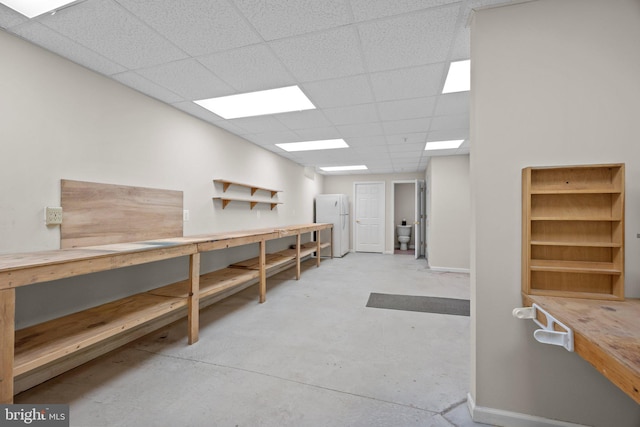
[[101, 214], [573, 231]]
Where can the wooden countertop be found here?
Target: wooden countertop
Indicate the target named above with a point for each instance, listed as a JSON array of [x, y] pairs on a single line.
[[22, 269], [606, 334]]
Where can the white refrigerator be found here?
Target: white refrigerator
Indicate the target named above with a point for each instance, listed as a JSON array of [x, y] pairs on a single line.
[[334, 209]]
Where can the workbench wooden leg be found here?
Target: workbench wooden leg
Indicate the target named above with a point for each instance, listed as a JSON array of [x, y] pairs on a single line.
[[331, 240], [7, 338], [298, 256], [193, 317], [318, 249], [263, 272]]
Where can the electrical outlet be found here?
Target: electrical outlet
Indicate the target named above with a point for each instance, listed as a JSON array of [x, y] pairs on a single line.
[[185, 215], [53, 215]]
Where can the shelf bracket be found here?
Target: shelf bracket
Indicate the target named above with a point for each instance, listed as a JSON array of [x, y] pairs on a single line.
[[549, 334]]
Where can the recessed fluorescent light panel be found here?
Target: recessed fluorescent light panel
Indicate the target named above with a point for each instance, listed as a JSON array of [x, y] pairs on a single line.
[[326, 144], [343, 168], [33, 8], [272, 101], [443, 145], [459, 77]]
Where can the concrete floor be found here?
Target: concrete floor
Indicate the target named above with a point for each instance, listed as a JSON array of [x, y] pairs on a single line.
[[312, 355]]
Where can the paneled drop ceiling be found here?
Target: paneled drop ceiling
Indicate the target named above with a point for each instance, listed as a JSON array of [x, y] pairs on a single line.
[[373, 68]]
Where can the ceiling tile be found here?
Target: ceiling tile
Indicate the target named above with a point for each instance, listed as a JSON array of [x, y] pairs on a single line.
[[195, 110], [447, 134], [329, 132], [339, 92], [415, 147], [108, 29], [409, 40], [406, 157], [461, 45], [407, 108], [187, 78], [364, 129], [198, 27], [364, 10], [249, 68], [10, 18], [275, 19], [453, 103], [303, 119], [367, 141], [324, 156], [270, 138], [324, 55], [423, 81], [259, 124], [460, 121], [365, 113], [406, 126], [67, 48], [371, 152], [407, 138], [132, 79]]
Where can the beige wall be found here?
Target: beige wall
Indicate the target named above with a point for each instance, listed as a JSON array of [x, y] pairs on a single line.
[[448, 212], [60, 120], [553, 83], [343, 184]]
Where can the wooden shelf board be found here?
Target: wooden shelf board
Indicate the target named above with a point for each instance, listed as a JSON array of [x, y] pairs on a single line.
[[582, 191], [227, 200], [226, 183], [210, 283], [574, 267], [606, 335], [38, 345], [577, 244], [271, 261], [574, 294], [573, 218], [305, 249]]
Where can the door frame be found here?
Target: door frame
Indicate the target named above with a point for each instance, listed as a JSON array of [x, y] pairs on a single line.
[[419, 187], [383, 217]]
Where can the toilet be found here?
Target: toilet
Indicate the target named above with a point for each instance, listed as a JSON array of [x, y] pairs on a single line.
[[404, 235]]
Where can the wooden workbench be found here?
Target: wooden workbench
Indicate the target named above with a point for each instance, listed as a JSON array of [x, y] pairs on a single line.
[[606, 334], [39, 346]]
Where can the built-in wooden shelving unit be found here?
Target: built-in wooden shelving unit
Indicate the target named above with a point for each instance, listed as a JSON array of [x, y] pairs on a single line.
[[573, 231]]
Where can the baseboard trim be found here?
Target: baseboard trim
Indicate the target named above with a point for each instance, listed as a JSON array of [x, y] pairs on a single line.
[[499, 417], [451, 269]]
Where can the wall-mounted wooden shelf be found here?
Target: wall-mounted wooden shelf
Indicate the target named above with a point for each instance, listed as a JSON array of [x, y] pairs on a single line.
[[225, 185], [253, 203]]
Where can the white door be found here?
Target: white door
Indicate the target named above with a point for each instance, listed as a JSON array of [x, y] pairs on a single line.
[[419, 218], [369, 217]]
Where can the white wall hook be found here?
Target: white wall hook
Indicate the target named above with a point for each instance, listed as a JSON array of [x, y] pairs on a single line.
[[548, 334]]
